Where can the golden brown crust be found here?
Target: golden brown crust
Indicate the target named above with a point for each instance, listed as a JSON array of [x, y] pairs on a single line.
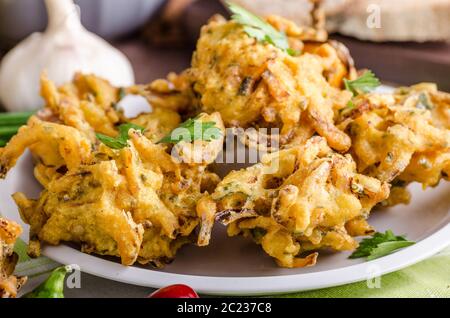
[[301, 199], [137, 203], [9, 284], [256, 84]]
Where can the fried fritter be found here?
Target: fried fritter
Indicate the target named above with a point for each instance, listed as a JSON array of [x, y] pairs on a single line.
[[173, 93], [86, 104], [158, 123], [53, 145], [201, 151], [256, 84], [404, 136], [401, 137], [82, 207], [9, 284], [297, 200], [137, 202]]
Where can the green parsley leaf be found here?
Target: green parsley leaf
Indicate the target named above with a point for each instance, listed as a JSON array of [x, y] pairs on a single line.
[[193, 129], [363, 84], [122, 93], [347, 109], [380, 244], [423, 102], [114, 143], [293, 52], [387, 248], [258, 233], [120, 141], [124, 128], [257, 28]]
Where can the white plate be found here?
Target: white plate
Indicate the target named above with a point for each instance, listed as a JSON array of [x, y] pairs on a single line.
[[235, 266]]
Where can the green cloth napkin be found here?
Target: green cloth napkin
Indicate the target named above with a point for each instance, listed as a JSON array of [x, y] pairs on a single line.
[[429, 278]]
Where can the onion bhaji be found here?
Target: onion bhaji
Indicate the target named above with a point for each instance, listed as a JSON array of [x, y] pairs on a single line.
[[137, 203], [54, 146], [401, 137], [296, 201], [9, 284], [255, 84]]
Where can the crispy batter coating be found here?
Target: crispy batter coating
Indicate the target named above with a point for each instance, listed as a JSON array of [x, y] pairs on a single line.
[[81, 207], [137, 203], [86, 104], [299, 199], [200, 151], [53, 145], [9, 284], [158, 123], [401, 137], [252, 83], [404, 136], [173, 93]]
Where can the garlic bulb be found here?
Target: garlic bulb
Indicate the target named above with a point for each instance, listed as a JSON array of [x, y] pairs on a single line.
[[63, 49]]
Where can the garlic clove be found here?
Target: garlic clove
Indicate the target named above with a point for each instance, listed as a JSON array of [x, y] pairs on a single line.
[[65, 48]]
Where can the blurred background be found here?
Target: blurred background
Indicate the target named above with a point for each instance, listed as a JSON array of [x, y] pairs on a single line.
[[411, 43]]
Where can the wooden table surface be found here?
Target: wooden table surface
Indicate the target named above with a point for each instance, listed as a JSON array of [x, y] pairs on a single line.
[[403, 64]]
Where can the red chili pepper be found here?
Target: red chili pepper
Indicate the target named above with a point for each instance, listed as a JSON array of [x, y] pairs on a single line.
[[174, 291]]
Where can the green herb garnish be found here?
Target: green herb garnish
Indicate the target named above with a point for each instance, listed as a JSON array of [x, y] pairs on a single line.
[[363, 84], [347, 109], [10, 124], [380, 244], [257, 28], [258, 233], [120, 141], [122, 93], [193, 129], [387, 248], [15, 119], [423, 102]]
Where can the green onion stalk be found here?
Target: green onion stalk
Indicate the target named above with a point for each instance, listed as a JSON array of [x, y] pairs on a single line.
[[10, 124]]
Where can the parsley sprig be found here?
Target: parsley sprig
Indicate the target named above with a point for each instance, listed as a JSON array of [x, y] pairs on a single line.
[[363, 84], [423, 102], [193, 129], [120, 141], [257, 28], [380, 244]]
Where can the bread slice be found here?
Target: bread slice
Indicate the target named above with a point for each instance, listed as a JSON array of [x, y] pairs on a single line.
[[400, 20], [298, 11]]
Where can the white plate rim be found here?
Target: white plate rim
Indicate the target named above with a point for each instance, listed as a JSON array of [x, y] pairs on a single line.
[[261, 285]]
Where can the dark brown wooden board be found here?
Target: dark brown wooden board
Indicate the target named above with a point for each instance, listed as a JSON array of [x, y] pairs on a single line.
[[403, 63]]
